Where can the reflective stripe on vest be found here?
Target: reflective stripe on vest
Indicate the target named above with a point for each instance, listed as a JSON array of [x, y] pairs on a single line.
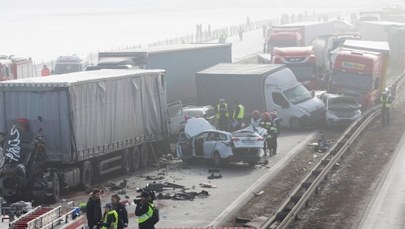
[[115, 223], [241, 113], [147, 215], [226, 112]]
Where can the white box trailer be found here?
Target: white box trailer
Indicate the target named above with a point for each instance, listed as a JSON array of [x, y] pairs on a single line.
[[91, 123], [376, 30]]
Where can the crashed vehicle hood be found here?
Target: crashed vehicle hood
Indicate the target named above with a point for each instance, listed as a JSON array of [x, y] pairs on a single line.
[[194, 126]]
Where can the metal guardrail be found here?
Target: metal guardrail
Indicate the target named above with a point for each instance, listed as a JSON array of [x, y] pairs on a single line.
[[298, 198]]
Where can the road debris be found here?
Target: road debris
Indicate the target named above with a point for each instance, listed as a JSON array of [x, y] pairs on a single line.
[[215, 174], [207, 185]]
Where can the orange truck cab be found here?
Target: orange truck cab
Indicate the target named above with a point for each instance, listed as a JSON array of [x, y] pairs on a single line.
[[358, 73], [301, 61]]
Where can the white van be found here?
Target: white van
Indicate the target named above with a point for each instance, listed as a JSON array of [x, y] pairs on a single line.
[[263, 87]]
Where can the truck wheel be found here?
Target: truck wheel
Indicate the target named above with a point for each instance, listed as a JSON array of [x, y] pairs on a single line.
[[55, 188], [126, 162], [136, 158], [216, 159], [294, 123], [144, 156], [87, 175]]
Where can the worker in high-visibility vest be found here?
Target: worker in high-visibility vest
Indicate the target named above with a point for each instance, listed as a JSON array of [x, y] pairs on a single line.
[[238, 115], [222, 115], [110, 218], [385, 107]]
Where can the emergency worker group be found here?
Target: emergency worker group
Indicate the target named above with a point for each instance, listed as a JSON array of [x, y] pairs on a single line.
[[267, 120]]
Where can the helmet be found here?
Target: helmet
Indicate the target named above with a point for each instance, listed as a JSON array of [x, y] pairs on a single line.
[[256, 114]]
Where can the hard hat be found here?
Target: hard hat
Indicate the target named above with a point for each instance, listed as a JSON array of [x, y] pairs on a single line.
[[273, 114], [221, 100]]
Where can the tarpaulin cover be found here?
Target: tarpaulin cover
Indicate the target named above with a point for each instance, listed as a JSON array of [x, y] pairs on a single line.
[[88, 112]]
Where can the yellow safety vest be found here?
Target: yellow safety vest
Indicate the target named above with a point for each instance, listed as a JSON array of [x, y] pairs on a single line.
[[147, 215], [115, 223], [241, 113], [385, 101], [226, 108]]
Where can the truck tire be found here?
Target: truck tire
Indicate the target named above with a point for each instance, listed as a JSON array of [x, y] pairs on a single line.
[[87, 175], [294, 123], [55, 192], [126, 162], [216, 159], [136, 158], [144, 155]]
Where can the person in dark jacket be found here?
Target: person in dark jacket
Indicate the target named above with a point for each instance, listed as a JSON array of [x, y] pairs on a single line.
[[121, 210], [93, 210], [144, 211]]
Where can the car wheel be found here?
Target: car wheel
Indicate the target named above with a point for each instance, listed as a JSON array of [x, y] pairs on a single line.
[[294, 123], [216, 159], [87, 175]]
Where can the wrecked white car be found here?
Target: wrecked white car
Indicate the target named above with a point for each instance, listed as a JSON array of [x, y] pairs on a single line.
[[200, 140], [340, 110]]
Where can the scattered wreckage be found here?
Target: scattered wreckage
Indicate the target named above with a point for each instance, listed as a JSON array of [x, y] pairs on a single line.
[[200, 140]]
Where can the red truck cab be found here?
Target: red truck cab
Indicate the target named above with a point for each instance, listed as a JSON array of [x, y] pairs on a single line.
[[15, 68], [358, 73], [301, 61], [280, 37]]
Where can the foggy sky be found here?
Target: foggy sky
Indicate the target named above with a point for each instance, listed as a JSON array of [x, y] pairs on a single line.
[[191, 3]]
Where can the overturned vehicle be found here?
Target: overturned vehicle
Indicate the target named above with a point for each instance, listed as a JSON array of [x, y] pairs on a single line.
[[200, 140]]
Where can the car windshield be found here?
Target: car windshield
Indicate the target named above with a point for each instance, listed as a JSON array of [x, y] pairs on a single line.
[[66, 68], [303, 71], [297, 94], [343, 104], [363, 82]]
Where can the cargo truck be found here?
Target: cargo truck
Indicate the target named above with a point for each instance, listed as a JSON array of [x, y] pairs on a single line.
[[323, 46], [12, 67], [296, 34], [63, 131], [376, 30], [180, 62], [263, 87], [358, 73], [301, 60], [68, 64]]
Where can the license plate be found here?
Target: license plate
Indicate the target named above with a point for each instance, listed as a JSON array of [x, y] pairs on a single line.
[[248, 141]]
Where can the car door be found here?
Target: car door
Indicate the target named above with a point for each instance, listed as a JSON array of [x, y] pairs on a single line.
[[224, 146], [184, 146], [198, 142], [209, 144], [176, 117]]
